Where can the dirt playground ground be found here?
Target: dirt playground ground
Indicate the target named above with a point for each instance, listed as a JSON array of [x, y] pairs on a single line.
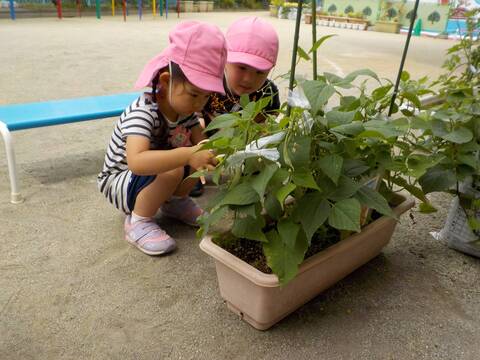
[[72, 288]]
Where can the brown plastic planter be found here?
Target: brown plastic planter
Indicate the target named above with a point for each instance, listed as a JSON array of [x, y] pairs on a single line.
[[258, 298]]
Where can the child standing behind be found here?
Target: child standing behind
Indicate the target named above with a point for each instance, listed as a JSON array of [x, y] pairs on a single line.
[[155, 143], [252, 53]]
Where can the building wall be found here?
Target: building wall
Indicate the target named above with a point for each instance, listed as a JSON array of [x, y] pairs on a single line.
[[426, 7]]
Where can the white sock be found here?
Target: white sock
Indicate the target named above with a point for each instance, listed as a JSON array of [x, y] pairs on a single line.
[[136, 218]]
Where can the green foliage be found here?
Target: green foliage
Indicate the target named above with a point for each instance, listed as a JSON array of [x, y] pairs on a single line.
[[367, 11], [332, 9], [449, 133], [434, 17], [294, 177]]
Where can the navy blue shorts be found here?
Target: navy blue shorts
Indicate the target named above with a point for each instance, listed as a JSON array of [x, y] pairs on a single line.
[[138, 182]]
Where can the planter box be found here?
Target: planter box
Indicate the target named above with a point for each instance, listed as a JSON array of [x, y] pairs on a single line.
[[258, 298], [274, 10], [308, 18], [387, 26], [186, 6], [203, 6]]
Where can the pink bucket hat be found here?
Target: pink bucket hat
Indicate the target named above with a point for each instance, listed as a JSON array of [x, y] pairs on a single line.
[[199, 49], [252, 41]]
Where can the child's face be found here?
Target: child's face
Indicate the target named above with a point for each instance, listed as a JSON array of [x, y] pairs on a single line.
[[243, 79], [186, 98]]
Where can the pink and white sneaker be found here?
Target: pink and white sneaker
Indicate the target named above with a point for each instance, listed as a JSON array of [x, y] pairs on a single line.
[[148, 237], [183, 209]]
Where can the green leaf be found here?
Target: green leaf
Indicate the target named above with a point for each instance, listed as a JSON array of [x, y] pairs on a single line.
[[459, 136], [318, 93], [331, 166], [260, 181], [374, 200], [299, 151], [282, 259], [412, 189], [312, 210], [468, 159], [354, 128], [426, 208], [362, 72], [336, 118], [244, 100], [418, 164], [302, 54], [380, 92], [283, 192], [304, 178], [345, 188], [273, 207], [383, 127], [354, 167], [209, 218], [249, 228], [319, 42], [222, 121], [437, 179], [413, 98], [405, 76], [345, 215], [242, 194], [288, 231]]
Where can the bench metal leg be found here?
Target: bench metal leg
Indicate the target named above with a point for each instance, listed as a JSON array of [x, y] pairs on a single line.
[[15, 197]]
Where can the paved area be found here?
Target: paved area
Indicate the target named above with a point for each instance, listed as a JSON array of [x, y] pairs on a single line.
[[72, 288]]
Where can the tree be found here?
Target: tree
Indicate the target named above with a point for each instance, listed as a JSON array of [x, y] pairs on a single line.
[[367, 11], [349, 9], [332, 8], [409, 15], [391, 13], [434, 17]]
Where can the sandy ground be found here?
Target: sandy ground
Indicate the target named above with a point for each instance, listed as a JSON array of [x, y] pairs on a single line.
[[72, 288]]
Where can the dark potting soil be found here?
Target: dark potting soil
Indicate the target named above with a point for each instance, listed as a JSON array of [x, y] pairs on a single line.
[[251, 251]]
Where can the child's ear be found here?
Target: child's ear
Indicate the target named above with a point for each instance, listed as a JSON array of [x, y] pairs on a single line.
[[164, 79]]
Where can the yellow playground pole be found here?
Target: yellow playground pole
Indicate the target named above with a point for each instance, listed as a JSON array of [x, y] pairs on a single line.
[[113, 7], [154, 8]]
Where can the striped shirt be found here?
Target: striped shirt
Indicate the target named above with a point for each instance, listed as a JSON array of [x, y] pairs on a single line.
[[141, 118]]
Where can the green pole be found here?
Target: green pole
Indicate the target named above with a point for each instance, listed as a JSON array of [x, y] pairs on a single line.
[[97, 8], [314, 37], [295, 47]]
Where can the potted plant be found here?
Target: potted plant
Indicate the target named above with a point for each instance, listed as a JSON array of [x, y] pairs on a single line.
[[390, 15], [448, 140], [320, 183], [274, 6]]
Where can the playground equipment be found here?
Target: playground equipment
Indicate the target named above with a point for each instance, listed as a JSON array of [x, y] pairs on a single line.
[[161, 6]]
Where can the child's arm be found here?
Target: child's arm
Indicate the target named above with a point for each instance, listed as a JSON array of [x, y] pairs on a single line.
[[143, 161]]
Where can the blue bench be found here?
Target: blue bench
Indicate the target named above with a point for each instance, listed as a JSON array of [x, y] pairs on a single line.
[[39, 114]]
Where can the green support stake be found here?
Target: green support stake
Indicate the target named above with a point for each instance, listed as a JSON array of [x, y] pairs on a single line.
[[97, 8], [314, 37], [295, 47]]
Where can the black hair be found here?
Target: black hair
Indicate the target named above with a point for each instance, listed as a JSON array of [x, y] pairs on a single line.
[[177, 76]]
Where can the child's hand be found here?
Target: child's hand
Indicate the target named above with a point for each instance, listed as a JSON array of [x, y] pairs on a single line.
[[202, 159]]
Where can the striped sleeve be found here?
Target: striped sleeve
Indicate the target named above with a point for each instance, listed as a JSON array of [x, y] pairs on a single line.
[[137, 122]]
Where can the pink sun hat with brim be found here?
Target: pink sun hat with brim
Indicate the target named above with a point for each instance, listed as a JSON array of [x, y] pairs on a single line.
[[252, 41], [201, 52]]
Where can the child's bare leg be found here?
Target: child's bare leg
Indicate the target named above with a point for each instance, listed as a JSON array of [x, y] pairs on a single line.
[[185, 187], [155, 194]]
